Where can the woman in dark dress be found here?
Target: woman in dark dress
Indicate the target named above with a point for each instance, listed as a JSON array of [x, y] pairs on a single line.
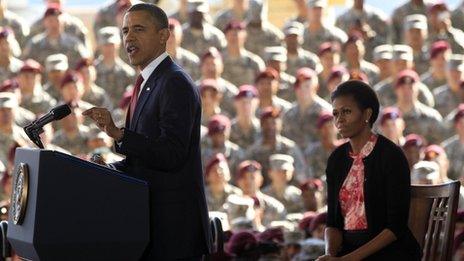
[[368, 185]]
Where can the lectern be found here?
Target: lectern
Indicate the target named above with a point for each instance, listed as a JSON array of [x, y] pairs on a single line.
[[65, 208]]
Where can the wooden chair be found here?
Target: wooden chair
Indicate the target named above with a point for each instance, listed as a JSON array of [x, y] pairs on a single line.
[[432, 217]]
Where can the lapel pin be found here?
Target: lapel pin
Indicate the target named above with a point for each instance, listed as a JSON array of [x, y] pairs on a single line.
[[148, 88]]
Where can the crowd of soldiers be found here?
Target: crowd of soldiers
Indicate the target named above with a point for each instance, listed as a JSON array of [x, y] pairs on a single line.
[[267, 126]]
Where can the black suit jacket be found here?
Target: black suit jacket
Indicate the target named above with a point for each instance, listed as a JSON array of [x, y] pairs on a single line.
[[162, 146], [387, 188]]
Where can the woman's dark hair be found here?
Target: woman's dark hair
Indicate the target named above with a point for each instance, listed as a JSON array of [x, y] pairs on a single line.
[[159, 16], [363, 94]]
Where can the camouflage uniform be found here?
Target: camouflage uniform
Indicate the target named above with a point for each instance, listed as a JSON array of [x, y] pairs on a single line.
[[189, 61], [376, 19], [312, 40], [225, 17], [316, 157], [286, 90], [278, 103], [261, 154], [445, 100], [370, 69], [198, 41], [386, 92], [40, 47], [23, 117], [398, 19], [98, 97], [431, 82], [17, 24], [272, 209], [425, 121], [114, 80], [421, 61], [72, 25], [302, 59], [243, 70], [455, 151], [7, 141], [39, 102], [228, 91], [218, 204], [242, 139], [457, 17], [11, 71], [77, 145], [233, 153], [301, 128], [260, 37], [291, 198], [106, 16], [454, 36]]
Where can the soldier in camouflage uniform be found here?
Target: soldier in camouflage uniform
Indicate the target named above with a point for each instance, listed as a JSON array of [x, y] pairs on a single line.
[[212, 67], [56, 66], [72, 25], [241, 65], [218, 141], [93, 93], [186, 59], [442, 29], [383, 59], [217, 178], [399, 15], [72, 91], [211, 98], [98, 142], [13, 21], [260, 32], [362, 13], [454, 147], [391, 125], [354, 51], [272, 142], [10, 133], [249, 180], [281, 172], [316, 154], [73, 135], [22, 116], [457, 16], [297, 57], [316, 32], [55, 40], [415, 35], [419, 118], [245, 127], [276, 58], [402, 60], [198, 35], [9, 65], [238, 12], [33, 97], [267, 84], [113, 74], [298, 122], [450, 95], [440, 52], [330, 56]]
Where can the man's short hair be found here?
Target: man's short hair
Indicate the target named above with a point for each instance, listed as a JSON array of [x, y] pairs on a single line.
[[159, 16]]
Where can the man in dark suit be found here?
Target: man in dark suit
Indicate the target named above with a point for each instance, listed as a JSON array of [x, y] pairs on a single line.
[[161, 140]]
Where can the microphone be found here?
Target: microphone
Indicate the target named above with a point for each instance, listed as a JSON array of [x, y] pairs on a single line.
[[34, 129]]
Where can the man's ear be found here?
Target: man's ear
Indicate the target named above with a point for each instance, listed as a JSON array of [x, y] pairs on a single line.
[[164, 35]]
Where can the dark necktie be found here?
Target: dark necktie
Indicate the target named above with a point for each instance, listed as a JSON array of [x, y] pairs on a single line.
[[135, 96]]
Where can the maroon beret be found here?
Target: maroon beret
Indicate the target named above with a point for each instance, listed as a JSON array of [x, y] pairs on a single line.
[[324, 117], [241, 242], [432, 151], [439, 47], [212, 52], [328, 47], [211, 84], [218, 123], [437, 5], [173, 23], [390, 113], [84, 62], [311, 184], [272, 235], [267, 73], [234, 25], [70, 76], [305, 223], [460, 113], [247, 91], [413, 140], [9, 85], [247, 166], [270, 112], [53, 9], [217, 158], [31, 66], [337, 71], [303, 74], [407, 76]]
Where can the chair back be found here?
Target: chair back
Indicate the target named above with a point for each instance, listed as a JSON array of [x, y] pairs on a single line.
[[432, 217], [217, 234]]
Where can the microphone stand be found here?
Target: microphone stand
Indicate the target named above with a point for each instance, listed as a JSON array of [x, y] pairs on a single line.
[[34, 134]]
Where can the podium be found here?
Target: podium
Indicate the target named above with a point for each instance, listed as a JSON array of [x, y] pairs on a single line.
[[65, 208]]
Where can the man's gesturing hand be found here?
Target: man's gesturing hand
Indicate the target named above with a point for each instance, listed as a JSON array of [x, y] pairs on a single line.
[[102, 117]]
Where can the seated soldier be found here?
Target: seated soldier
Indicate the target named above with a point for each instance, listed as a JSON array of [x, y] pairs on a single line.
[[392, 125], [413, 148], [454, 146], [437, 154], [281, 173], [211, 99], [217, 178], [312, 193]]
